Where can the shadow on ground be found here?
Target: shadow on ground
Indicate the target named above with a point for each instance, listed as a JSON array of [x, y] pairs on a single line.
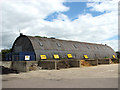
[[5, 70]]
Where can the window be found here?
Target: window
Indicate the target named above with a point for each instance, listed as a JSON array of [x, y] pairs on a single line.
[[88, 47], [95, 55], [75, 46], [40, 44], [97, 47], [58, 45]]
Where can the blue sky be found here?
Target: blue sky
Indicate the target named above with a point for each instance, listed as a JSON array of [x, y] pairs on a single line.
[[114, 38], [75, 9], [78, 21]]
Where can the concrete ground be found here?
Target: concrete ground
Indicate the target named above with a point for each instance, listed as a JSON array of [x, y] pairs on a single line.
[[102, 76]]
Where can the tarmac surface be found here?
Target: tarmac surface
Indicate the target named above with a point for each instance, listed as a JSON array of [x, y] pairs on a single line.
[[101, 76]]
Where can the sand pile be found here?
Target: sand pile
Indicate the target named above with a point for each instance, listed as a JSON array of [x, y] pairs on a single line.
[[84, 63], [113, 61]]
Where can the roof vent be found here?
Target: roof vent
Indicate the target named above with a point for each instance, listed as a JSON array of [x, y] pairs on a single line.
[[21, 34]]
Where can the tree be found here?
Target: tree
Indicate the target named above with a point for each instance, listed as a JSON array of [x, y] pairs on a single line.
[[4, 52], [41, 36], [118, 54]]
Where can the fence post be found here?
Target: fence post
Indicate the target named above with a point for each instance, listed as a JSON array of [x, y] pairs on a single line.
[[55, 65], [79, 63]]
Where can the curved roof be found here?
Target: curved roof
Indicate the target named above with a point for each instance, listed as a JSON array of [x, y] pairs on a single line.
[[50, 46]]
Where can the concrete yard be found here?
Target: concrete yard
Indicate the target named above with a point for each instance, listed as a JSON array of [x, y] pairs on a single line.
[[102, 76]]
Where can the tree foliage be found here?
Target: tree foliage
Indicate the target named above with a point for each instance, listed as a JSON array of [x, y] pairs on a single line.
[[41, 36], [118, 54], [4, 52]]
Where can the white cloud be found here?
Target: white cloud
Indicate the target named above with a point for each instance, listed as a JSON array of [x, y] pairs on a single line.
[[104, 6], [24, 14], [112, 43], [29, 17]]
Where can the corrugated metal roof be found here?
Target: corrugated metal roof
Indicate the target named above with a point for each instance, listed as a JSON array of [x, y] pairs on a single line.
[[67, 46], [50, 46]]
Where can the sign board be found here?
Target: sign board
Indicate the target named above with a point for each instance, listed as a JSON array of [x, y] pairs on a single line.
[[56, 56], [27, 57], [85, 56], [69, 55], [113, 56], [43, 57]]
